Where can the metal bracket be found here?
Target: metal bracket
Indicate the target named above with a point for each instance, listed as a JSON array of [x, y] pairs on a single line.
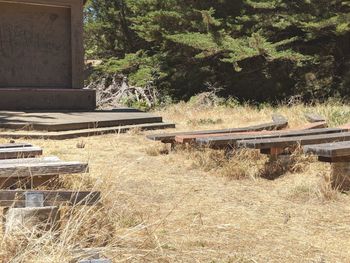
[[34, 199]]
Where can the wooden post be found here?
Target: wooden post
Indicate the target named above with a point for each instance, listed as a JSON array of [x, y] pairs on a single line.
[[277, 164], [276, 152], [277, 155], [340, 176]]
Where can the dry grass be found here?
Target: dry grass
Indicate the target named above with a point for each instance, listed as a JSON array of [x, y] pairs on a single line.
[[237, 165], [189, 206]]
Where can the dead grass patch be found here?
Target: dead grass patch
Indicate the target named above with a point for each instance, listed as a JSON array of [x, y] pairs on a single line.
[[321, 191], [159, 210], [246, 163], [231, 164], [135, 131], [157, 149], [318, 189], [325, 190], [276, 166], [206, 159], [243, 164], [201, 122]]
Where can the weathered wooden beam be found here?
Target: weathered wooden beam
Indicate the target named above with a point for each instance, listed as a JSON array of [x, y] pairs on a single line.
[[224, 141], [29, 182], [170, 137], [338, 154], [294, 141], [193, 138], [41, 169], [51, 159], [316, 125], [26, 182], [337, 149], [20, 152], [339, 159], [16, 198], [14, 145]]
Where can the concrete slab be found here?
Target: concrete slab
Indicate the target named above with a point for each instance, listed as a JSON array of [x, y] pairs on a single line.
[[67, 121], [63, 135], [24, 99]]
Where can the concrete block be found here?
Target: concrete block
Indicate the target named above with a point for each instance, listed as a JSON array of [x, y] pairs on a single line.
[[29, 220]]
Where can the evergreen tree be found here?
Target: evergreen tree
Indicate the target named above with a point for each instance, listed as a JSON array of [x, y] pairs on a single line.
[[253, 49]]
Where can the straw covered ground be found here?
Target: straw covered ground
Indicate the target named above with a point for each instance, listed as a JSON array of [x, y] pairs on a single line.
[[193, 205]]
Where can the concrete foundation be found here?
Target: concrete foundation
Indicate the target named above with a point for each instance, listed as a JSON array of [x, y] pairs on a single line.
[[73, 120], [42, 56], [29, 220], [47, 99]]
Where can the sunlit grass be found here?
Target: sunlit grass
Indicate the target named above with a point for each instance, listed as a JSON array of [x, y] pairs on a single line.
[[191, 205]]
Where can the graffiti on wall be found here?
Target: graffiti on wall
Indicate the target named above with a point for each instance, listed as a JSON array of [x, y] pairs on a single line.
[[35, 46]]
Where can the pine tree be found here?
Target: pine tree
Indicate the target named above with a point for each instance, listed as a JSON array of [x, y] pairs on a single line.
[[253, 49]]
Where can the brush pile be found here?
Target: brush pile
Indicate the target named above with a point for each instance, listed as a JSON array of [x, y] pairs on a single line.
[[115, 91]]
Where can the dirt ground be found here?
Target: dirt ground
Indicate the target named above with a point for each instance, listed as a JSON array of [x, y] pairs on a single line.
[[165, 207]]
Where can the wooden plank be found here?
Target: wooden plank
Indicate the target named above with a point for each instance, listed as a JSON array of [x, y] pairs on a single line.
[[294, 141], [170, 137], [337, 149], [192, 138], [316, 125], [314, 117], [276, 151], [29, 182], [224, 141], [16, 198], [41, 169], [14, 145], [341, 159], [20, 152], [85, 132], [31, 160]]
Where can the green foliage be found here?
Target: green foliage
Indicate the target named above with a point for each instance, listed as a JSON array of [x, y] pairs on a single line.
[[141, 105], [264, 50], [140, 68]]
